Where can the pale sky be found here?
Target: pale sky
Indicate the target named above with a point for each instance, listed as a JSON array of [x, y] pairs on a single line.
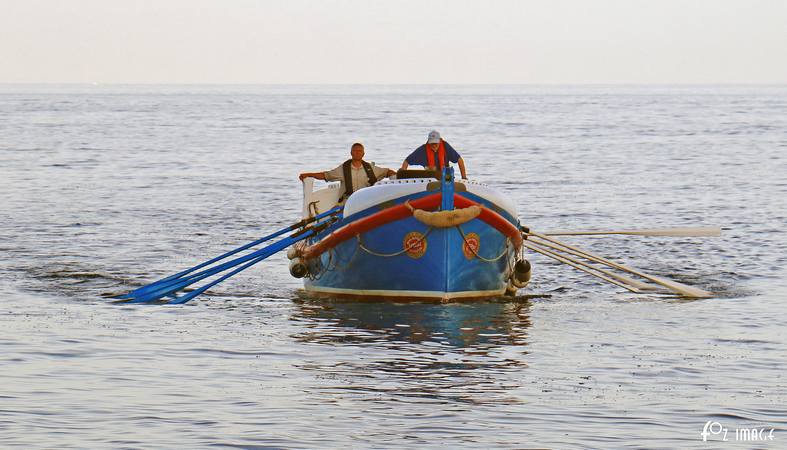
[[407, 41]]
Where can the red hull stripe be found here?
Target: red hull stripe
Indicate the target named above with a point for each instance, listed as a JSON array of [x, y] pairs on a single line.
[[399, 212], [494, 219]]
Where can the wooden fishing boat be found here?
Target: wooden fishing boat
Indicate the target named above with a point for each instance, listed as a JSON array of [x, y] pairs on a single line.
[[415, 237], [421, 236]]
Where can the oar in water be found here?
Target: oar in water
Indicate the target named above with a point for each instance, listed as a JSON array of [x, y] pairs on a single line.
[[170, 286], [162, 288], [604, 275], [157, 285], [274, 248], [674, 286], [563, 252], [671, 232], [268, 251]]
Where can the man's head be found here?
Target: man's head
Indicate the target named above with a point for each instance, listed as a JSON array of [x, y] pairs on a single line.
[[356, 151], [433, 140]]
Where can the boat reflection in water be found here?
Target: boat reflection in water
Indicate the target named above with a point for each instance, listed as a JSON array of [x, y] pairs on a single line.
[[471, 326], [455, 353]]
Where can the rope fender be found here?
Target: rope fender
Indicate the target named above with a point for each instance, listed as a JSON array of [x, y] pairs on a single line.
[[403, 211], [445, 219]]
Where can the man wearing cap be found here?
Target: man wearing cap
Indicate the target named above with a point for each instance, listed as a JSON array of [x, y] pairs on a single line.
[[435, 154], [354, 174]]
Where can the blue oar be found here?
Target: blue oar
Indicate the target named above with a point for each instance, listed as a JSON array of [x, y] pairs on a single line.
[[163, 289], [184, 298], [180, 284], [166, 281], [156, 289], [170, 287]]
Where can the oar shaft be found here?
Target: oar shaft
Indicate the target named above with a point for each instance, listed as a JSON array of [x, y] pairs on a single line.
[[185, 298], [179, 284], [667, 232], [181, 276], [274, 248], [681, 288], [274, 235], [160, 290], [163, 287], [630, 281], [176, 279], [577, 265]]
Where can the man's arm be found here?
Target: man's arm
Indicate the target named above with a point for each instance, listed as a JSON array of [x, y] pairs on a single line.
[[317, 175], [414, 158], [381, 172], [336, 174], [453, 156]]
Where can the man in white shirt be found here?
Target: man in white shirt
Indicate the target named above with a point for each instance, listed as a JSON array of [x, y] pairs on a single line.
[[354, 174]]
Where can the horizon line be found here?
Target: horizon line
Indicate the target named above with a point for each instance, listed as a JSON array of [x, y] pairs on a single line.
[[97, 84]]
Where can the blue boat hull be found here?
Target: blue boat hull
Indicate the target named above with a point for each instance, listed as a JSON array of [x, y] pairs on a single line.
[[407, 259]]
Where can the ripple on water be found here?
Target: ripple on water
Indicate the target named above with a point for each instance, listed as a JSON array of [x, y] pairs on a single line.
[[107, 188]]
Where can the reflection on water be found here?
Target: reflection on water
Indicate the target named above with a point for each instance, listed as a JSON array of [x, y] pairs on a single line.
[[454, 353], [474, 327], [103, 189]]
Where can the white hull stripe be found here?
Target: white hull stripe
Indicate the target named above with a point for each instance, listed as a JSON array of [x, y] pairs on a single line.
[[397, 293]]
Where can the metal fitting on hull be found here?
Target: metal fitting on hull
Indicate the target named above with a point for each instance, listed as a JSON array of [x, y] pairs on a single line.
[[522, 272], [298, 269]]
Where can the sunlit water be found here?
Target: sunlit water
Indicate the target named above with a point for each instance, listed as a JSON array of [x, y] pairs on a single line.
[[105, 188]]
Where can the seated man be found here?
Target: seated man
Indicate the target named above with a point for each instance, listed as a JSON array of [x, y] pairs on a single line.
[[434, 155], [354, 174]]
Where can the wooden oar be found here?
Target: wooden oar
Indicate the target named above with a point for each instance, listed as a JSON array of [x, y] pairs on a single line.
[[672, 232], [575, 264], [680, 288], [636, 283]]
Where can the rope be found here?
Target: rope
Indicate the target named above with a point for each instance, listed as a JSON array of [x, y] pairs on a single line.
[[505, 249], [388, 255], [347, 265], [334, 263], [323, 269], [419, 242]]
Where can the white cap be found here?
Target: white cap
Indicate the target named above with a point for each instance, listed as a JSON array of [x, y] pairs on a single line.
[[434, 137]]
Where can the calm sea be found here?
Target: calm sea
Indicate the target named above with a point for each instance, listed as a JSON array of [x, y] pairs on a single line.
[[103, 188]]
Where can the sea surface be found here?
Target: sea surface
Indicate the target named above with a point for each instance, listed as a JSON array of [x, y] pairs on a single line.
[[105, 188]]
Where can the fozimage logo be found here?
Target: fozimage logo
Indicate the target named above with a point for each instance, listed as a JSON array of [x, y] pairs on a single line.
[[717, 432]]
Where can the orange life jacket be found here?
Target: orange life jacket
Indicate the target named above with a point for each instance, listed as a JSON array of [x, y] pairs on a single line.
[[440, 155]]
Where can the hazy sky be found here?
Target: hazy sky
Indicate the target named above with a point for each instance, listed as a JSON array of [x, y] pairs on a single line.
[[375, 41]]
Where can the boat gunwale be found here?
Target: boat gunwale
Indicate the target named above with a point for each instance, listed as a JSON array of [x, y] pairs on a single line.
[[399, 200]]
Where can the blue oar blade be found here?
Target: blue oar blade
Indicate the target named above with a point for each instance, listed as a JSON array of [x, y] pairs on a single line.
[[186, 297], [275, 248], [159, 290], [176, 279], [168, 280]]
